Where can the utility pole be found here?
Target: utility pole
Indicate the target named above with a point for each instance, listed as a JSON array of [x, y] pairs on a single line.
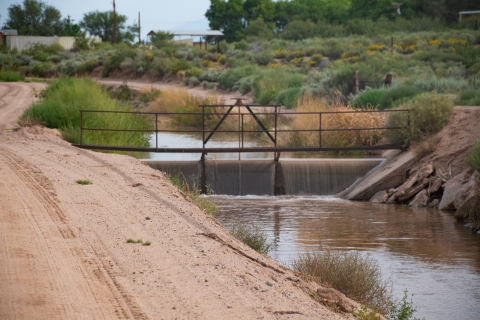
[[114, 23], [397, 6], [139, 28]]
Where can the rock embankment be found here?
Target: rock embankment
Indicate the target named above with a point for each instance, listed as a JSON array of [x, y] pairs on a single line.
[[428, 187], [441, 179]]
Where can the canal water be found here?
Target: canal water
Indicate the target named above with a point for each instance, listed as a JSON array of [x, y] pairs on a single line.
[[423, 250]]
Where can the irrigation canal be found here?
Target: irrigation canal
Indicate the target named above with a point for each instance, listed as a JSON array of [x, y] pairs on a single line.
[[423, 250]]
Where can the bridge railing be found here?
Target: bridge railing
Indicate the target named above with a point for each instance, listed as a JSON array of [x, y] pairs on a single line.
[[310, 135]]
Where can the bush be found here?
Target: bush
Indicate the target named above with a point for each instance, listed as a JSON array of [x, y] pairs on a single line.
[[369, 98], [42, 69], [10, 76], [474, 158], [252, 236], [115, 60], [429, 113], [397, 95], [65, 97], [148, 94], [355, 274], [470, 97], [288, 97], [229, 78], [264, 58]]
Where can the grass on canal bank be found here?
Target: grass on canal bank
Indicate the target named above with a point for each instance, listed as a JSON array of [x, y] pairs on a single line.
[[60, 109]]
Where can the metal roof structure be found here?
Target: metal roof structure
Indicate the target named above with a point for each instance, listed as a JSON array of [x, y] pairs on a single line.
[[469, 12], [9, 32], [194, 33]]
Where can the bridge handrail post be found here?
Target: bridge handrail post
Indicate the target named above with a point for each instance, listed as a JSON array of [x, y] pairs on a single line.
[[242, 132], [156, 132], [320, 131]]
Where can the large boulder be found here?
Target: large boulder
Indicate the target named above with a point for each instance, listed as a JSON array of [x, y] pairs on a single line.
[[451, 188], [380, 197], [470, 204], [435, 185], [410, 193], [420, 200]]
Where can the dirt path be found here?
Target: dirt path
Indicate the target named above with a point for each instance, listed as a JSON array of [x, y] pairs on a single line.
[[14, 98], [227, 97], [64, 255]]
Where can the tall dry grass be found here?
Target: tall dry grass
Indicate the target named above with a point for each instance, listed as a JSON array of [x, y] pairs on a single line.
[[350, 138], [355, 274]]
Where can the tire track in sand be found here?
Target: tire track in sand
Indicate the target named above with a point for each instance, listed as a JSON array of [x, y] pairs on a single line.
[[54, 255]]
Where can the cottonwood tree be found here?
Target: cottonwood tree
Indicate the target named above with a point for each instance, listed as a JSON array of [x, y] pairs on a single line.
[[35, 18], [100, 24]]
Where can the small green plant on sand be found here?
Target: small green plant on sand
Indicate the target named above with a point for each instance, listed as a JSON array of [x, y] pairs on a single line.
[[146, 243], [366, 314], [252, 236], [84, 182], [403, 309], [204, 203]]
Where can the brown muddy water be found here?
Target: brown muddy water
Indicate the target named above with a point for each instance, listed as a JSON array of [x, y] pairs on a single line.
[[423, 250]]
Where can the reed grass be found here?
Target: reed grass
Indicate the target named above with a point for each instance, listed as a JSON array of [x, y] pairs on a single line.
[[61, 105], [310, 103], [252, 236], [10, 76]]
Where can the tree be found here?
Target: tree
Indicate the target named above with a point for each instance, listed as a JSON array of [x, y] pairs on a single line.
[[34, 18], [160, 38], [100, 24]]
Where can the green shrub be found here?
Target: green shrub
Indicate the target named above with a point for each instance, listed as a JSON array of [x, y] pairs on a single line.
[[470, 97], [241, 45], [369, 98], [252, 236], [264, 58], [115, 60], [441, 85], [149, 94], [289, 97], [194, 72], [355, 274], [180, 65], [42, 69], [63, 100], [403, 309], [10, 76], [429, 113], [397, 95], [229, 78], [474, 158], [123, 92]]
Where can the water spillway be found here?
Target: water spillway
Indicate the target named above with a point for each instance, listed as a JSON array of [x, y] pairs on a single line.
[[268, 177]]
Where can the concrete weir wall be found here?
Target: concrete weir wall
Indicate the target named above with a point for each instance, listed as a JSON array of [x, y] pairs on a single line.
[[267, 177]]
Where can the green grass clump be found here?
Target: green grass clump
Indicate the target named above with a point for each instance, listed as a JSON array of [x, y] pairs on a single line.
[[10, 76], [195, 194], [61, 105], [355, 274], [474, 158], [429, 113], [369, 98], [146, 243], [397, 95], [252, 236], [84, 182], [289, 97], [470, 97]]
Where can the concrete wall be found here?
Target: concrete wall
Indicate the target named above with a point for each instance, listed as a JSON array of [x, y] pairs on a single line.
[[24, 42]]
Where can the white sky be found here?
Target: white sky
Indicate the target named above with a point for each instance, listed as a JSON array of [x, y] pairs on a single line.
[[155, 14]]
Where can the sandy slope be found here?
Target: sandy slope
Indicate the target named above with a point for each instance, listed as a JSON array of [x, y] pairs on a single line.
[[63, 250]]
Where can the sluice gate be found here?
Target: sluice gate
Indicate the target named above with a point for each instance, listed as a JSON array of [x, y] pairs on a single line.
[[269, 177]]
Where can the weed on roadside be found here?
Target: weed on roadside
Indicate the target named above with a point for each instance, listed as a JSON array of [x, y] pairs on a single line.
[[252, 236], [146, 243], [84, 182]]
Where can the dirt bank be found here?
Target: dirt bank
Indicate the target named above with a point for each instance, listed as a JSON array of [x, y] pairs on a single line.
[[64, 255]]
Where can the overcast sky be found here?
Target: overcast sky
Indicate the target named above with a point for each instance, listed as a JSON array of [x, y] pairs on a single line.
[[155, 14]]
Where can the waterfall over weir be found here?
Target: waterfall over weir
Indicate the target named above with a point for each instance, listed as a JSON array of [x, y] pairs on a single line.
[[267, 177]]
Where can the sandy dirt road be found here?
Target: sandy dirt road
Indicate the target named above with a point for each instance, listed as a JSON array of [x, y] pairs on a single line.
[[14, 98], [64, 255]]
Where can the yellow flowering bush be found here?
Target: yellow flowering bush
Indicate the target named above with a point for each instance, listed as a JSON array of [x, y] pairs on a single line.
[[375, 47], [297, 62], [280, 53], [434, 42]]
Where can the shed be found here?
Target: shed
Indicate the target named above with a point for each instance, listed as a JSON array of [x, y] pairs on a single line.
[[464, 15], [7, 32], [213, 34]]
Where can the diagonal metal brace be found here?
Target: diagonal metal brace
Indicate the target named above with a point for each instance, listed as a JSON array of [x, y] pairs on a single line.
[[218, 125], [261, 124]]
